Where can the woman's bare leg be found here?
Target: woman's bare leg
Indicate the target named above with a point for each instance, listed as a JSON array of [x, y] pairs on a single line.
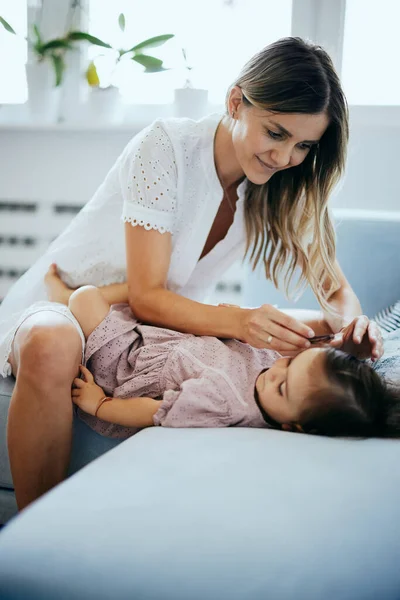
[[45, 359]]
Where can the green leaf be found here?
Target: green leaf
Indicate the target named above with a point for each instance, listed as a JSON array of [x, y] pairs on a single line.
[[55, 45], [121, 21], [7, 26], [37, 35], [153, 42], [78, 36], [59, 66], [151, 64]]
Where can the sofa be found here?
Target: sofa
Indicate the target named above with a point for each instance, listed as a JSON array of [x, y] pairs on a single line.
[[198, 514]]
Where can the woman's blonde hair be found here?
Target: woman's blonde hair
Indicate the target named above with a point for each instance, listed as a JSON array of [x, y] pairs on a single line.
[[287, 219]]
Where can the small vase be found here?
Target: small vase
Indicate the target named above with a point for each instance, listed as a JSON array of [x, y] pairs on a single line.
[[104, 105], [190, 102], [43, 96]]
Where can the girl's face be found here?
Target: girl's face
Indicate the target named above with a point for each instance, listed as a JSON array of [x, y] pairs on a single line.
[[267, 142], [283, 389]]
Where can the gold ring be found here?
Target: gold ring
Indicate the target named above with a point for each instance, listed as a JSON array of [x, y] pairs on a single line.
[[269, 339]]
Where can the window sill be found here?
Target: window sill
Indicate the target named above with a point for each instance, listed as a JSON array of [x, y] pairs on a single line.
[[73, 127], [15, 118]]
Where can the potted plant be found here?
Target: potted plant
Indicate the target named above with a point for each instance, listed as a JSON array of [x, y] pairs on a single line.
[[46, 66], [104, 98], [190, 101]]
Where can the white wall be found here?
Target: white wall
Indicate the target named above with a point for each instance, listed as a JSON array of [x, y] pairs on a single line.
[[372, 175], [49, 165], [61, 165]]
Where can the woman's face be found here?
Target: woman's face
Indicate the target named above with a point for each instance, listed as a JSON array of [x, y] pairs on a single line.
[[267, 142], [283, 389]]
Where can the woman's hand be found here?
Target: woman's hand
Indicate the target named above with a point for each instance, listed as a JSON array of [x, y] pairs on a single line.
[[85, 393], [268, 327], [362, 338]]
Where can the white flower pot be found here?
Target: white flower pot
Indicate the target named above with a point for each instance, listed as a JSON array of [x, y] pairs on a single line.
[[190, 102], [43, 96], [104, 105]]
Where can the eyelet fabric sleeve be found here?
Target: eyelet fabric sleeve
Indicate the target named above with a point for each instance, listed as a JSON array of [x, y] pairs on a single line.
[[198, 403], [148, 178]]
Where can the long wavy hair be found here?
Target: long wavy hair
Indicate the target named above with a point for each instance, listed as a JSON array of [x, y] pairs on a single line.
[[287, 219], [359, 402]]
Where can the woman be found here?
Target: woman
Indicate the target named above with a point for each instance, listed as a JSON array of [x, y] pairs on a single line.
[[194, 197]]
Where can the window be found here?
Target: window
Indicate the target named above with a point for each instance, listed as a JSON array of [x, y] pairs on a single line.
[[13, 52], [370, 52], [219, 36]]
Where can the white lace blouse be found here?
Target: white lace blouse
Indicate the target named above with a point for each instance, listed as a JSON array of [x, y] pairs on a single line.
[[165, 179]]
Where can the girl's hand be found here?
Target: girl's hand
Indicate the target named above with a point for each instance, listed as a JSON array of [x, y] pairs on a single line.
[[362, 338], [268, 327], [85, 393]]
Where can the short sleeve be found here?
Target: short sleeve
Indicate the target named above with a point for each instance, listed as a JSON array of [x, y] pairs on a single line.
[[148, 178], [196, 404]]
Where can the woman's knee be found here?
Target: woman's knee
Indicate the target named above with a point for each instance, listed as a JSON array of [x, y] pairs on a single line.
[[49, 352]]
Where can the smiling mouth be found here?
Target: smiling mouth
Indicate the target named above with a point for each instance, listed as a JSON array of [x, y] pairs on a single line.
[[267, 166]]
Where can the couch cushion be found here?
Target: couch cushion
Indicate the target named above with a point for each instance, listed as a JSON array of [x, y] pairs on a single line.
[[6, 388], [368, 248], [215, 513]]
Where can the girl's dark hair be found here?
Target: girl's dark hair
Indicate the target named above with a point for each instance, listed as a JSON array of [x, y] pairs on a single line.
[[358, 403]]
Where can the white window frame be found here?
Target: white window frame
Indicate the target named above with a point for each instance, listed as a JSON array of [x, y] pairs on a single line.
[[323, 22]]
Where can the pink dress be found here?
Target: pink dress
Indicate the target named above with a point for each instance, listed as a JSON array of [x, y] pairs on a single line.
[[201, 381]]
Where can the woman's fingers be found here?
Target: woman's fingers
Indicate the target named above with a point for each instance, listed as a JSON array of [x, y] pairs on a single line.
[[277, 344], [337, 341], [300, 330], [375, 337], [75, 393], [268, 320], [289, 340], [268, 327], [360, 328]]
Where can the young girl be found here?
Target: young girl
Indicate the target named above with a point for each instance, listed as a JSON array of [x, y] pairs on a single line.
[[139, 375]]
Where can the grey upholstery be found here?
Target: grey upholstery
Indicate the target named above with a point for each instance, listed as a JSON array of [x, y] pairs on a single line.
[[86, 446], [215, 514], [368, 251]]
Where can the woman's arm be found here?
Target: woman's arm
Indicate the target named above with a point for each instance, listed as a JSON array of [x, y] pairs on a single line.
[[344, 301], [358, 335], [148, 260], [115, 293], [148, 255]]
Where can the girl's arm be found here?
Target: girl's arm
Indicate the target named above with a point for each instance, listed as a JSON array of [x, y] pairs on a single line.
[[129, 412]]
